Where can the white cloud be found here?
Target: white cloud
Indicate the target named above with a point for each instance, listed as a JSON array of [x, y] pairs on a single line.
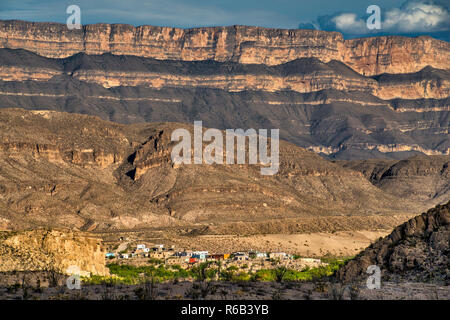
[[412, 16], [349, 23], [417, 17]]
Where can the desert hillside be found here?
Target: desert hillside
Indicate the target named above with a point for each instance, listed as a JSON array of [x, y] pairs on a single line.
[[67, 170]]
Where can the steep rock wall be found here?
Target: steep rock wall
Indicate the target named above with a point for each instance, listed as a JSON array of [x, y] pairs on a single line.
[[244, 44]]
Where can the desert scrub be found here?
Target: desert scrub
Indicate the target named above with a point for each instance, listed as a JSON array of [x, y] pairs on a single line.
[[329, 258], [132, 275], [203, 272], [155, 261], [100, 280], [241, 277], [307, 274], [7, 234]]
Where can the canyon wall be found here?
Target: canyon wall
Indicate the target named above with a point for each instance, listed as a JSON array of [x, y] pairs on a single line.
[[244, 44]]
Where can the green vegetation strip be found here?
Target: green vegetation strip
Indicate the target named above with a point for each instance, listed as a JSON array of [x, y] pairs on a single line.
[[127, 274]]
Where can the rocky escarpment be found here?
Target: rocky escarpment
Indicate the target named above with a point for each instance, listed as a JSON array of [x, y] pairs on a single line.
[[417, 250], [303, 75], [145, 189], [101, 152], [300, 75], [427, 83], [242, 44], [338, 124], [63, 251]]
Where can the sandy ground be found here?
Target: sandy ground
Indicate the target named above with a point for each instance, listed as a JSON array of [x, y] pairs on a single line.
[[344, 243]]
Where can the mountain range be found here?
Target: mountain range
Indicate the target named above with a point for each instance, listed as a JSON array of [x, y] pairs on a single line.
[[381, 97], [364, 124]]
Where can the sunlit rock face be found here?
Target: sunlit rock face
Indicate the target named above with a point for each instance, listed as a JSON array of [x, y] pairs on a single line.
[[368, 56], [47, 249]]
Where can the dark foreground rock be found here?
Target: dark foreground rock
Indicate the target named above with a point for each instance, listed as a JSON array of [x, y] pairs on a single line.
[[417, 250]]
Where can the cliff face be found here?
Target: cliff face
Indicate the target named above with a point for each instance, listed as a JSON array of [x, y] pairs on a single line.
[[368, 56], [300, 75], [377, 55], [40, 250]]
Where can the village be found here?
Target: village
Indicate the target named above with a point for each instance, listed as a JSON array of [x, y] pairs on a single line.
[[252, 260]]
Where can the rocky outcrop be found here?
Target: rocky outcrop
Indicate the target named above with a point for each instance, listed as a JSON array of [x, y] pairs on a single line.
[[416, 251], [427, 83], [57, 250], [368, 56], [394, 54], [59, 154]]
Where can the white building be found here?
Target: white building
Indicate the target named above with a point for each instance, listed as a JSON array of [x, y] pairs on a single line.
[[205, 253], [261, 255], [277, 255]]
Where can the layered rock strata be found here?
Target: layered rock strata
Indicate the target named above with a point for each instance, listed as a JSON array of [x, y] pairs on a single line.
[[243, 44]]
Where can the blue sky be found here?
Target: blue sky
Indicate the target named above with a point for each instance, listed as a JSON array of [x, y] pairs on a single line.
[[413, 17]]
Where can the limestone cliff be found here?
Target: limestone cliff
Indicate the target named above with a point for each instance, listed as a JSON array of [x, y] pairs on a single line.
[[39, 250], [425, 178], [244, 44], [300, 75]]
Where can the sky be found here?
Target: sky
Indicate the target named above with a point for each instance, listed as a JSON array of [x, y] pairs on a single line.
[[398, 17]]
